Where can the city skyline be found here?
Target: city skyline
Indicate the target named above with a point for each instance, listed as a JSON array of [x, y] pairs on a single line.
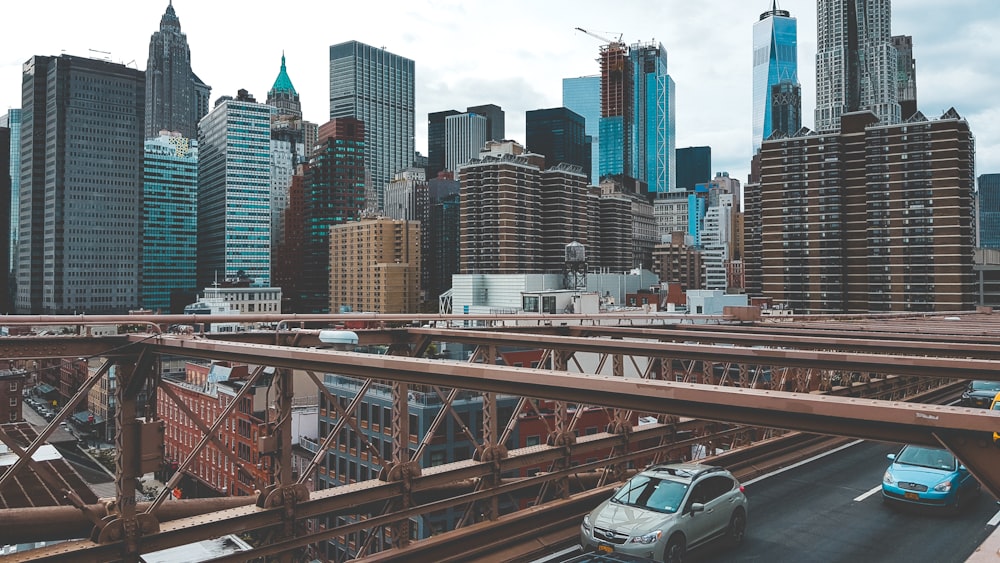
[[709, 50]]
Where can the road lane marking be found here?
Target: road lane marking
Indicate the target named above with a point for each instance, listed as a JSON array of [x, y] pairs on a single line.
[[995, 520], [863, 496], [801, 463]]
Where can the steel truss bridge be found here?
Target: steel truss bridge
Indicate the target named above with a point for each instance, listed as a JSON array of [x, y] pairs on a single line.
[[710, 381]]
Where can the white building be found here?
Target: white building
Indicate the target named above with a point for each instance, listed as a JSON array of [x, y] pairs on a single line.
[[715, 237], [247, 299], [465, 135]]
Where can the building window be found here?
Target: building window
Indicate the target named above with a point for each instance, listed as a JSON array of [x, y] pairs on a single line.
[[532, 440]]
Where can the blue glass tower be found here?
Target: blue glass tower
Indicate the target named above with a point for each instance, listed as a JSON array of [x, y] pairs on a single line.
[[775, 61], [583, 96], [170, 219], [653, 119], [989, 211]]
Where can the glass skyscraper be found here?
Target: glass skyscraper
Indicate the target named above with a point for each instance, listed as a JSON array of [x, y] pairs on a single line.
[[12, 121], [653, 114], [170, 220], [989, 211], [376, 87], [234, 192], [775, 62], [583, 96]]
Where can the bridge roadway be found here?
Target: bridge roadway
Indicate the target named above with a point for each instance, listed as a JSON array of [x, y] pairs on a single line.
[[966, 432]]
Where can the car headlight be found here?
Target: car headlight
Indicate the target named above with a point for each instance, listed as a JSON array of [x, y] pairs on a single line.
[[888, 479], [647, 539], [586, 523], [943, 486]]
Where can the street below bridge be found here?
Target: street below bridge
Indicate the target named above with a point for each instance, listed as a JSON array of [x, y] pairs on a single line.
[[826, 510]]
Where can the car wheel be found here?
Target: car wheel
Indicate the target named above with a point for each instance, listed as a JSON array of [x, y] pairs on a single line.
[[737, 527], [674, 552]]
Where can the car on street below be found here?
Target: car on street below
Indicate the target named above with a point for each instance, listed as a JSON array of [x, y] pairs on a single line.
[[926, 476], [980, 394], [666, 510]]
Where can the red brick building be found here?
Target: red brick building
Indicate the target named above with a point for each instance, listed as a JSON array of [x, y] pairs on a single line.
[[11, 388], [208, 390]]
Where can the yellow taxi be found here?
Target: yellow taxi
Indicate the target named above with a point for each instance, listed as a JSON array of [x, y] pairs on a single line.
[[996, 407]]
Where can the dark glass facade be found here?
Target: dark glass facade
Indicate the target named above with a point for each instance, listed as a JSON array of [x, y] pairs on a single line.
[[989, 211], [560, 135], [694, 166]]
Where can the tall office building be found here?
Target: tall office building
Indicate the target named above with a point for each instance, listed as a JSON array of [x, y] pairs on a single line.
[[906, 76], [583, 96], [176, 99], [906, 188], [495, 120], [234, 192], [436, 141], [989, 211], [560, 135], [694, 166], [855, 62], [6, 301], [288, 148], [440, 238], [334, 195], [12, 120], [654, 119], [637, 126], [81, 186], [465, 135], [376, 87], [775, 64], [170, 220]]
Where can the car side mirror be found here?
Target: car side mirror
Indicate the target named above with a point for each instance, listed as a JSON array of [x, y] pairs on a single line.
[[697, 507], [891, 457], [962, 468]]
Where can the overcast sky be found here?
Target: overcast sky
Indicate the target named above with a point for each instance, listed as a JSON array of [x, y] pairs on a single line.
[[515, 53]]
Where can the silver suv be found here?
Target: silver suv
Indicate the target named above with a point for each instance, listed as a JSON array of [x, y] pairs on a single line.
[[665, 510]]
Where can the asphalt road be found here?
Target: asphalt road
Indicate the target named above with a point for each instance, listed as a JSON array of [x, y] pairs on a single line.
[[821, 511]]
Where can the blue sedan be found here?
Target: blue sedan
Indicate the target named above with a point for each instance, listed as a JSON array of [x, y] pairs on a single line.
[[926, 476]]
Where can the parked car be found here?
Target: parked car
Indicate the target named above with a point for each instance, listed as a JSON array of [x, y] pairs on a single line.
[[980, 394], [926, 476], [666, 510]]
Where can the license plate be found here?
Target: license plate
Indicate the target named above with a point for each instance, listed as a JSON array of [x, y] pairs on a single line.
[[605, 548], [912, 496]]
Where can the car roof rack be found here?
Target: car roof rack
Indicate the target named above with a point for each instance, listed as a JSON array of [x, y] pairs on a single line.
[[672, 469]]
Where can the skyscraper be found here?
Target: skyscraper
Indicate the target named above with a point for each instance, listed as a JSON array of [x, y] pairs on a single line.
[[694, 166], [465, 135], [334, 195], [989, 211], [653, 127], [906, 76], [5, 201], [495, 120], [637, 115], [558, 134], [376, 87], [234, 192], [12, 120], [288, 148], [170, 220], [436, 141], [81, 196], [775, 62], [855, 62], [583, 96], [175, 98]]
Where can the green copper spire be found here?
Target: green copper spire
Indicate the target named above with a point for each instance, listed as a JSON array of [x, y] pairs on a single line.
[[283, 83]]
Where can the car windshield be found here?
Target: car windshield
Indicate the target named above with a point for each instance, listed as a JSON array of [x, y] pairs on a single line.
[[652, 493], [986, 385], [927, 457]]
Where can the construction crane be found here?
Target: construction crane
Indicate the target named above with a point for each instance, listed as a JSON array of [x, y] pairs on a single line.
[[601, 37]]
